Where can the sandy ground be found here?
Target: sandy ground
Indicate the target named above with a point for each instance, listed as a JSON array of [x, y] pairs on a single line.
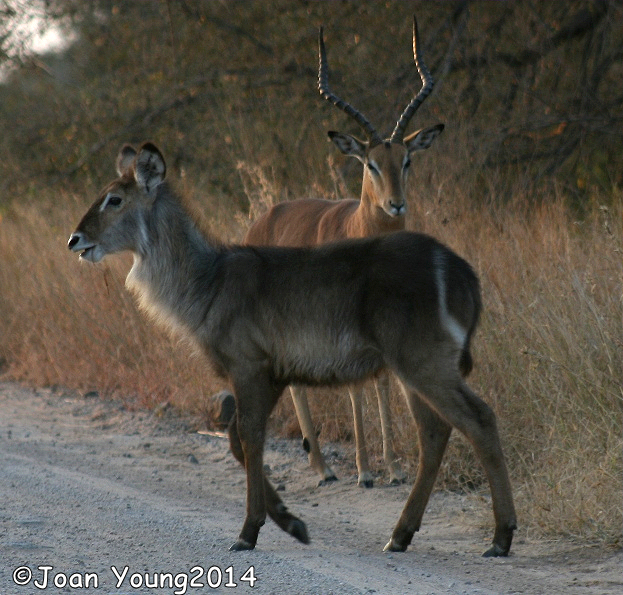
[[97, 499]]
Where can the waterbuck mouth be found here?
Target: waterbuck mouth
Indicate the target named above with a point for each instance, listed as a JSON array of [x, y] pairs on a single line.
[[88, 250], [87, 254]]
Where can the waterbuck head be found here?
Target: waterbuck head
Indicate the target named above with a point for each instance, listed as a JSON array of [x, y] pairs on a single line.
[[116, 221], [386, 161]]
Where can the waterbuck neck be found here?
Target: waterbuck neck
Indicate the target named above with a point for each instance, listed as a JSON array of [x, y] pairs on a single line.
[[174, 265]]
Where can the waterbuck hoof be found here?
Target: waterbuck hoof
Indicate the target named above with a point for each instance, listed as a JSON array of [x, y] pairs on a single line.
[[392, 546], [241, 545], [327, 480], [502, 540], [496, 551], [298, 529]]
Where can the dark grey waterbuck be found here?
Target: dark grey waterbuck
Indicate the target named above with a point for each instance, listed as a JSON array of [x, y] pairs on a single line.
[[269, 317]]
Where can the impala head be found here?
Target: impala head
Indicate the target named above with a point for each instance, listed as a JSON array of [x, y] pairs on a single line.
[[386, 161], [116, 221]]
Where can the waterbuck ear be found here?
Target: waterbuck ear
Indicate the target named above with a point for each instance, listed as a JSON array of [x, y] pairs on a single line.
[[150, 168], [422, 139], [125, 159], [349, 145]]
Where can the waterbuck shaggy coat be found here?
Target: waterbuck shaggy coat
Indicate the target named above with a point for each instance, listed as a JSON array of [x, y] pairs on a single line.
[[267, 317]]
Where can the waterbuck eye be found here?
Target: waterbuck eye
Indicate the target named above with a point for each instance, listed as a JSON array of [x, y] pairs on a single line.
[[111, 200]]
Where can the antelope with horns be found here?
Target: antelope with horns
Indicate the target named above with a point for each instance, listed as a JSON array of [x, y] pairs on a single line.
[[268, 317], [381, 209]]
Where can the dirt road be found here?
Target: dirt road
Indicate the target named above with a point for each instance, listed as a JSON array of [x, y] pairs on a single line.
[[97, 499]]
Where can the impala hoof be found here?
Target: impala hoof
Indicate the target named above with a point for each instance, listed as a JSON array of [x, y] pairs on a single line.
[[365, 481], [298, 530], [327, 480], [241, 545], [397, 477]]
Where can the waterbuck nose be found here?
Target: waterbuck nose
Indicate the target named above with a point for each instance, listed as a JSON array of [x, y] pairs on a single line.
[[74, 238]]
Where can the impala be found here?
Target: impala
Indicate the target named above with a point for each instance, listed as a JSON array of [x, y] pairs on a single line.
[[268, 317], [381, 209]]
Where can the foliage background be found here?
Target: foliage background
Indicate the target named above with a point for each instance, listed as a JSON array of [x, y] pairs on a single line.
[[525, 182]]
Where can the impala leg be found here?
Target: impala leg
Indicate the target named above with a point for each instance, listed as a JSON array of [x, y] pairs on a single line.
[[433, 435], [365, 478], [396, 474], [246, 434], [310, 441]]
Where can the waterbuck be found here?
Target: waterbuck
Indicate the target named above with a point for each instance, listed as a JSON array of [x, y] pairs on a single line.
[[268, 317]]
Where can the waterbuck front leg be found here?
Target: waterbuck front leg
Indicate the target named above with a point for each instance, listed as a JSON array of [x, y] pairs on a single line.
[[254, 402]]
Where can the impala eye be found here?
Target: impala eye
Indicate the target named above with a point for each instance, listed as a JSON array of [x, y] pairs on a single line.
[[373, 169], [407, 163]]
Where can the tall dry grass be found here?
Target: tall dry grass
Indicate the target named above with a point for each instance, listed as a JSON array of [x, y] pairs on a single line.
[[548, 353]]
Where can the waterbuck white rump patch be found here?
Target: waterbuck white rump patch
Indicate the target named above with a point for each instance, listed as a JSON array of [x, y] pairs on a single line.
[[448, 322]]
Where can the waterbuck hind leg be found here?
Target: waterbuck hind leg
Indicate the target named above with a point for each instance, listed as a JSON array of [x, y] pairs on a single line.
[[433, 435], [310, 440], [483, 435], [459, 407], [246, 435]]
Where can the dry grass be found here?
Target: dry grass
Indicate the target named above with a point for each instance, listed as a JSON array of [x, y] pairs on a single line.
[[548, 353]]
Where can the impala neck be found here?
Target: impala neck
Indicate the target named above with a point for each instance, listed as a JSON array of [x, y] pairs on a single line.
[[370, 218]]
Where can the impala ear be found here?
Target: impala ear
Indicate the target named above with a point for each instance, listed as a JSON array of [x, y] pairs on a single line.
[[150, 168], [422, 139], [349, 145], [125, 159]]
